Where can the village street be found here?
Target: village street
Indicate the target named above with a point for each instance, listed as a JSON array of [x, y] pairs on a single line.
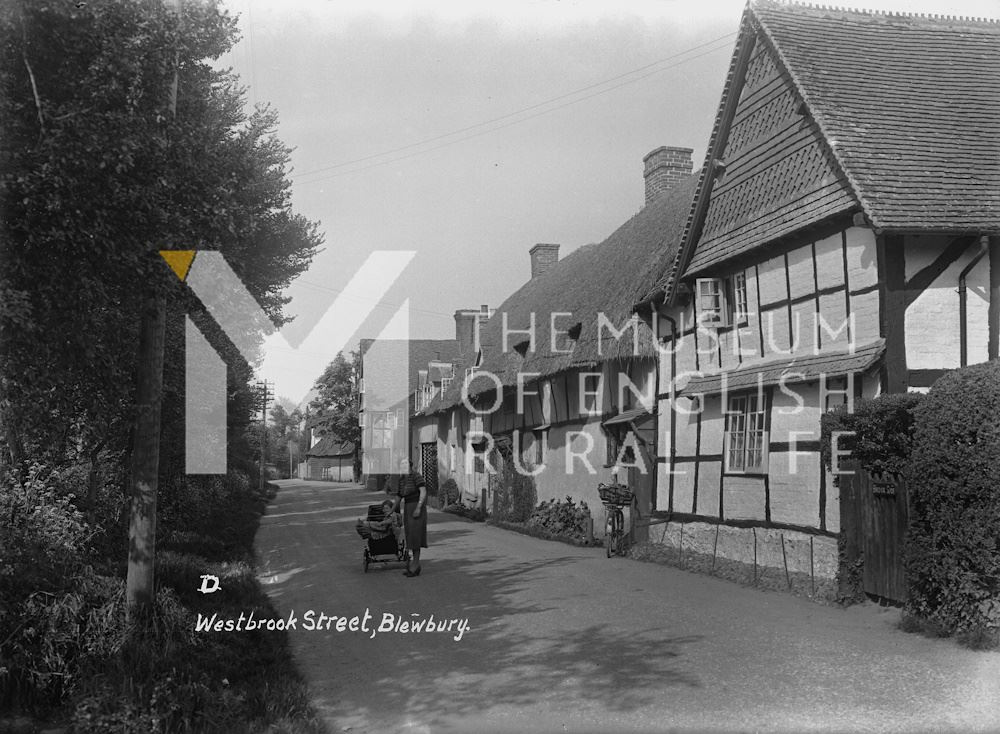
[[563, 639]]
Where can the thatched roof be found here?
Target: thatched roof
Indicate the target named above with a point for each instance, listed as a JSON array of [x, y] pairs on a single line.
[[606, 278], [421, 352]]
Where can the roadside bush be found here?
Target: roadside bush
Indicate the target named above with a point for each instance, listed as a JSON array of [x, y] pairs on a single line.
[[565, 519], [883, 432], [514, 494], [953, 546], [46, 587], [448, 493]]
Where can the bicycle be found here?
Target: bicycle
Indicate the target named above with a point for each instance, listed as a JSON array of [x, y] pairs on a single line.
[[614, 497]]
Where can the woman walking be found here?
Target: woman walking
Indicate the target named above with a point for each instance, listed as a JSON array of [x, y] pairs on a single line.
[[412, 498]]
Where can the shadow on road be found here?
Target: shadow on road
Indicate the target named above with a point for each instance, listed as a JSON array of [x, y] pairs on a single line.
[[527, 643]]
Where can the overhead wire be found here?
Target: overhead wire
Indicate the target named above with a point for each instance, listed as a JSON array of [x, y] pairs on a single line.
[[510, 123]]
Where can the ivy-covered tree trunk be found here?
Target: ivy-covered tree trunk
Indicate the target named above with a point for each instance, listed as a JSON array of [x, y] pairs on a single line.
[[146, 455]]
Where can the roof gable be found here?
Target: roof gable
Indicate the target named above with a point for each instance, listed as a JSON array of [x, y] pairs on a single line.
[[908, 104], [904, 110], [778, 172]]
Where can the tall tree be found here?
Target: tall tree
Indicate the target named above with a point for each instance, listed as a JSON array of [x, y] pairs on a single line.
[[96, 176], [334, 410]]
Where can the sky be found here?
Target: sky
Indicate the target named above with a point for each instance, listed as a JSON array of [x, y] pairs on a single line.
[[463, 134]]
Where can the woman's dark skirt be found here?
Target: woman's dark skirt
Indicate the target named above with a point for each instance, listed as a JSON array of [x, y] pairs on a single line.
[[415, 527]]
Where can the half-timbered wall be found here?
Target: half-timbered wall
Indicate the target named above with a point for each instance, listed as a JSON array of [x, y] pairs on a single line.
[[575, 453], [933, 266], [817, 295]]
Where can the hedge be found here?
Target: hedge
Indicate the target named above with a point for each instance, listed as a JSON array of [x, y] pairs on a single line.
[[953, 545], [883, 432]]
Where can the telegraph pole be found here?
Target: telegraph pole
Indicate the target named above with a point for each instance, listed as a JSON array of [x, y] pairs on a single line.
[[264, 390]]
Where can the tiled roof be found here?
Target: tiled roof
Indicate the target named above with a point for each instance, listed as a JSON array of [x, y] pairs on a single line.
[[907, 109], [330, 446], [801, 368], [910, 106], [604, 278]]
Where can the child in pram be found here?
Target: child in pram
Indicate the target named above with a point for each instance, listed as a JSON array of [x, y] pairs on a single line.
[[384, 535], [391, 523]]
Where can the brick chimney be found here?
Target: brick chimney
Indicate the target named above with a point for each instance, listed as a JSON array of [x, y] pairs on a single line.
[[663, 168], [467, 325], [543, 257]]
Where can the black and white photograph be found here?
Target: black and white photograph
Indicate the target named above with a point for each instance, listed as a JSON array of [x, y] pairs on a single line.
[[542, 366]]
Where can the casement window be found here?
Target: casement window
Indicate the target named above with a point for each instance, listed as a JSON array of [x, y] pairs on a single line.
[[746, 434], [445, 384], [740, 311], [711, 301], [591, 389], [382, 431], [723, 301]]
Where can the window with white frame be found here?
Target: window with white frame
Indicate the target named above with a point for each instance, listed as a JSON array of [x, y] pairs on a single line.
[[723, 301], [382, 431], [746, 434], [711, 301], [591, 389], [740, 310], [445, 384]]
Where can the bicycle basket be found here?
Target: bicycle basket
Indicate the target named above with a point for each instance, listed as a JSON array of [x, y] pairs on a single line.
[[614, 494]]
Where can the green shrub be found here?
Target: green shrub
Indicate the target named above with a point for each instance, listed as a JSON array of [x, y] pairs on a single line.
[[953, 544], [882, 428], [514, 494], [565, 519], [46, 587], [448, 493]]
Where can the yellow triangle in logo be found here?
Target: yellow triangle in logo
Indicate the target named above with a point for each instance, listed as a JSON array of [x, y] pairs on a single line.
[[179, 261]]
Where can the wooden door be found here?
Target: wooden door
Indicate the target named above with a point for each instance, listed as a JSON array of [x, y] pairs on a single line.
[[874, 515]]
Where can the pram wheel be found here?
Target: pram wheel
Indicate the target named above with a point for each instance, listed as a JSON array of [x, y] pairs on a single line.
[[367, 560]]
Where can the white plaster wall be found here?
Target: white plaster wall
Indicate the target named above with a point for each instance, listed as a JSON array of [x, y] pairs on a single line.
[[933, 327], [775, 324], [683, 487], [804, 327], [802, 280], [832, 332], [865, 317], [709, 474], [795, 496], [771, 276], [743, 497], [830, 262], [862, 258], [713, 425]]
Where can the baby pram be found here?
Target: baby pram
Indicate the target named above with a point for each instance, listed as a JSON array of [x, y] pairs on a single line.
[[381, 544]]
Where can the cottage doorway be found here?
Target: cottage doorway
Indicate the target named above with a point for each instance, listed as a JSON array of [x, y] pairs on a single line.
[[429, 466], [641, 483]]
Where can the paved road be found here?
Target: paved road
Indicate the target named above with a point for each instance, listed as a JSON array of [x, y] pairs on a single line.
[[563, 639]]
